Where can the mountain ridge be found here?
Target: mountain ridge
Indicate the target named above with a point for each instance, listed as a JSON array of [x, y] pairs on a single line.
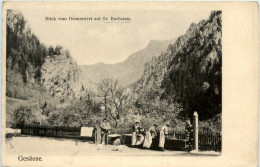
[[129, 70]]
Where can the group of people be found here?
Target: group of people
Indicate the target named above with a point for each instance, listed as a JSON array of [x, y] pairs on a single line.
[[149, 138], [153, 138]]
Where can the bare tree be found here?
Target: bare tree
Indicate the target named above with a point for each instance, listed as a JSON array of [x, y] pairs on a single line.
[[114, 98]]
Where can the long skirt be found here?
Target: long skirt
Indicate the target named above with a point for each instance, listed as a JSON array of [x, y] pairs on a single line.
[[134, 136], [104, 138], [140, 140], [162, 139], [147, 140]]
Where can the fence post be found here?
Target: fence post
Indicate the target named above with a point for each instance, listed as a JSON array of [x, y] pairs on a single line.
[[196, 131], [56, 128], [98, 135], [37, 130]]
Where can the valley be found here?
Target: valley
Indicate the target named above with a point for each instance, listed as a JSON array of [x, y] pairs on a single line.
[[165, 81]]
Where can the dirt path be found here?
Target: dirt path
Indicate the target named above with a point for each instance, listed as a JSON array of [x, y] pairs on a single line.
[[53, 146]]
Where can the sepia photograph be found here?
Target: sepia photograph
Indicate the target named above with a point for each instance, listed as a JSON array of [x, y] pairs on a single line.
[[137, 82], [112, 83]]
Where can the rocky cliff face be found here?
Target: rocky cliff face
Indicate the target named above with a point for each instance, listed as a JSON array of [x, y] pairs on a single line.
[[194, 75], [61, 76], [154, 71], [32, 68], [190, 71]]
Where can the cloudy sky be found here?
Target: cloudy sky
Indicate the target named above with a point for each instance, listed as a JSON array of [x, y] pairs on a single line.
[[97, 41]]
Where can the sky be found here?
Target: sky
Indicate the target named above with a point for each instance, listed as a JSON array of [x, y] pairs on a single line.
[[90, 42]]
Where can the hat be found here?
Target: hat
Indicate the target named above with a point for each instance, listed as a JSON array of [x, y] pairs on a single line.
[[104, 119], [137, 121], [168, 123]]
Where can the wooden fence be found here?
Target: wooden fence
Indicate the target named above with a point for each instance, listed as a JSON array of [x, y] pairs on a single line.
[[176, 134], [121, 131], [51, 131], [210, 141], [207, 141]]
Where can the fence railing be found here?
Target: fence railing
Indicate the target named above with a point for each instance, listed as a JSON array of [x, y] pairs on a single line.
[[176, 134], [207, 140], [210, 141], [121, 131], [51, 131]]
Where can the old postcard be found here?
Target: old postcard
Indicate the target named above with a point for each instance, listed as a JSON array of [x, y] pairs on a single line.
[[130, 84]]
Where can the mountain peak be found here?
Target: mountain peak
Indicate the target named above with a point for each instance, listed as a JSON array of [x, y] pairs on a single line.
[[130, 70], [159, 43], [154, 42]]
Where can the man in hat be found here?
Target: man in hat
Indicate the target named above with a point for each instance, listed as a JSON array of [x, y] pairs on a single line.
[[105, 127], [135, 132], [149, 136], [163, 134]]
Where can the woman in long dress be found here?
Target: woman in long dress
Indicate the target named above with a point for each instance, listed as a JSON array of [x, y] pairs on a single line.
[[149, 135], [140, 136], [135, 132], [163, 134]]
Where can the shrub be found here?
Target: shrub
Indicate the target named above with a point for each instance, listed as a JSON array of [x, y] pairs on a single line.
[[27, 115]]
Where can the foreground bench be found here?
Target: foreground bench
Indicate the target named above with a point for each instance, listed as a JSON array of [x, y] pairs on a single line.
[[176, 144], [170, 143], [126, 139], [113, 137]]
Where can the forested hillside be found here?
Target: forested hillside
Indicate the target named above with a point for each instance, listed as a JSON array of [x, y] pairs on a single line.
[[39, 78], [187, 76], [24, 57], [193, 76], [34, 69], [166, 81]]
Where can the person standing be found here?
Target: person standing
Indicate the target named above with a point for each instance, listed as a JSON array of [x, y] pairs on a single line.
[[163, 135], [105, 128], [140, 135], [189, 134], [135, 132], [149, 136]]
